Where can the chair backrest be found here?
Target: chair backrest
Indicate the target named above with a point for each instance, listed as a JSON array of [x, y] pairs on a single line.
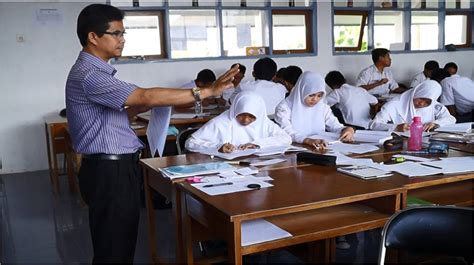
[[181, 139], [437, 230]]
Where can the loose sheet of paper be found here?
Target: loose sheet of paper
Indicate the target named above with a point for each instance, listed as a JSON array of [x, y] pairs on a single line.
[[236, 186], [259, 231], [464, 127], [410, 169], [158, 129]]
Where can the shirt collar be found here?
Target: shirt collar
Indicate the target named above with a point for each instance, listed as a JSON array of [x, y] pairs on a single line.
[[377, 70], [97, 62]]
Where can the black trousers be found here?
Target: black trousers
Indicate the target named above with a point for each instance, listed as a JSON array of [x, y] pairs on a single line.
[[111, 189]]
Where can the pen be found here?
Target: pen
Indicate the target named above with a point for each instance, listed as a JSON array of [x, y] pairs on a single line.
[[218, 184], [416, 152]]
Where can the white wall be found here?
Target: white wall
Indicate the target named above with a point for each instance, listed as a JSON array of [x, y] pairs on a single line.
[[33, 73]]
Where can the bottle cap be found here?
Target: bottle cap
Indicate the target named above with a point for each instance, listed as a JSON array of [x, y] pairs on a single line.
[[417, 119]]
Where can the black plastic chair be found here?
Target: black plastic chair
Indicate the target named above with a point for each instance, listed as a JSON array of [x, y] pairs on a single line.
[[181, 139], [430, 230]]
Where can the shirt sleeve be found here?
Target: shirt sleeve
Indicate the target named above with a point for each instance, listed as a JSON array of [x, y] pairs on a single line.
[[283, 118], [363, 78], [106, 90], [382, 119], [333, 98], [276, 137], [442, 115], [447, 95], [392, 83], [370, 98], [331, 122]]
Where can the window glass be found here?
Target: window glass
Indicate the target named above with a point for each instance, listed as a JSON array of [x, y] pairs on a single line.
[[456, 29], [424, 30], [347, 32], [294, 25], [452, 4], [290, 3], [243, 3], [192, 3], [389, 3], [144, 36], [243, 29], [350, 3], [388, 30], [193, 33], [424, 3]]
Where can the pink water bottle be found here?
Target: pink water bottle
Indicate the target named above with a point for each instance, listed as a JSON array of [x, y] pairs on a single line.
[[416, 134]]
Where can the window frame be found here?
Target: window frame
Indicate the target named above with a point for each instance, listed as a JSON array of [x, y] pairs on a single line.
[[309, 30], [469, 23], [365, 17]]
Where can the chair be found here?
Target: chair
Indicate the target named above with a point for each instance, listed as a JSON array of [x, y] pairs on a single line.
[[430, 230], [181, 139]]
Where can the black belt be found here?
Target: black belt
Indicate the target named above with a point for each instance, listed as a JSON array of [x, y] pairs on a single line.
[[132, 157]]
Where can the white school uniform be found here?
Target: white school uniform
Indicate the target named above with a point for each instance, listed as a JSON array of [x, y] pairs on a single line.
[[418, 79], [190, 84], [458, 91], [226, 129], [371, 75], [403, 110], [271, 92], [354, 103], [299, 120]]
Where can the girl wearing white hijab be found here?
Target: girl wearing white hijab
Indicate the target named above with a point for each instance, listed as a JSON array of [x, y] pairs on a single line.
[[304, 112], [419, 101], [244, 126]]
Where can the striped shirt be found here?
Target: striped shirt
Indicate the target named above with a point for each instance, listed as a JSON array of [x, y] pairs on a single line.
[[97, 120]]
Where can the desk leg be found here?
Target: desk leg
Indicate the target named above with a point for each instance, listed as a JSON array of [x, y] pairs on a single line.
[[179, 211], [53, 177], [234, 243], [151, 218], [188, 238]]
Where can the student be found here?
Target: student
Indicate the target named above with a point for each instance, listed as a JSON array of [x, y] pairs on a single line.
[[97, 106], [290, 76], [419, 101], [272, 93], [377, 79], [425, 74], [304, 113], [354, 102], [452, 68], [457, 95], [237, 79], [204, 78], [244, 126]]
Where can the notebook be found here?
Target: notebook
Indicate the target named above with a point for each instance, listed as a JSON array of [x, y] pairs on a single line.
[[364, 172]]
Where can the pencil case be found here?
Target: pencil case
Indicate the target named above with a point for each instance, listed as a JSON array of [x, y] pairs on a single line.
[[316, 159]]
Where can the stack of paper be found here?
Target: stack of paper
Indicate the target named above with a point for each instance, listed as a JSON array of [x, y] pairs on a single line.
[[188, 115], [367, 136], [410, 169], [230, 185], [453, 165], [259, 231], [352, 148], [456, 128], [272, 150], [195, 169]]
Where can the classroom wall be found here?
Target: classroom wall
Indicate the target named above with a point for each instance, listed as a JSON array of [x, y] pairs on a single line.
[[33, 72]]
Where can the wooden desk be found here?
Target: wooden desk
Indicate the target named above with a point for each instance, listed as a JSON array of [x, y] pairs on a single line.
[[193, 121], [312, 203], [153, 180]]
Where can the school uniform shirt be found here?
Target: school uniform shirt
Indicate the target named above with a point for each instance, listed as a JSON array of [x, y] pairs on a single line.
[[371, 75], [418, 79], [403, 110], [354, 103], [191, 84], [226, 129], [271, 92], [458, 91], [301, 121]]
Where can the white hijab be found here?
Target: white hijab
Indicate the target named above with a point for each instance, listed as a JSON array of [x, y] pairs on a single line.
[[226, 129], [307, 120], [406, 109]]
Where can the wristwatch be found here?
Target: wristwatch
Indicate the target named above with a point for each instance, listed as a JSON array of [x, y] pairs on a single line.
[[196, 93]]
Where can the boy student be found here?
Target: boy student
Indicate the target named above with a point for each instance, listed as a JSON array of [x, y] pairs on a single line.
[[452, 68], [272, 93], [97, 106], [457, 95], [354, 102], [425, 74], [237, 79], [204, 78], [290, 76], [377, 79]]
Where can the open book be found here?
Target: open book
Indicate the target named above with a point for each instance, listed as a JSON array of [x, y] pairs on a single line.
[[271, 150]]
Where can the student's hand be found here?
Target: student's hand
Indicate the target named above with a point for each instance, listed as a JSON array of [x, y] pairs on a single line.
[[347, 134], [248, 146], [402, 127], [221, 102], [316, 143], [227, 148], [223, 82], [429, 126], [383, 81]]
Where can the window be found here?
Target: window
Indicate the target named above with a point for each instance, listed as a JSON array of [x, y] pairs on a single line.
[[349, 29], [296, 24], [194, 33], [144, 37], [388, 30], [424, 30], [457, 4], [457, 29], [243, 29]]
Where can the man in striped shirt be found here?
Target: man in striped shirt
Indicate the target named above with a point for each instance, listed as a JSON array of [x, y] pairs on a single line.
[[97, 107]]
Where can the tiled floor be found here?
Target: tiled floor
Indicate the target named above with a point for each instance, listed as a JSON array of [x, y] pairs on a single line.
[[37, 227]]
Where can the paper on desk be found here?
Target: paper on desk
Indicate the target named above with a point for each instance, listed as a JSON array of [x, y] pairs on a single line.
[[259, 231], [246, 171], [407, 134], [329, 137], [342, 159], [268, 162], [352, 148], [453, 165], [414, 158], [236, 186], [456, 128], [228, 156], [158, 129], [410, 169], [368, 136], [181, 171], [183, 115]]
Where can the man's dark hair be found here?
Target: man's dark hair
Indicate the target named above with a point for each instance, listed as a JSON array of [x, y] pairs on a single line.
[[96, 18], [439, 74], [264, 69], [206, 76], [242, 68], [451, 65], [335, 79], [379, 52], [280, 73], [291, 74], [431, 65]]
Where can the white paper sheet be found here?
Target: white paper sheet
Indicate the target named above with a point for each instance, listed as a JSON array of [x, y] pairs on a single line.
[[367, 136], [464, 127], [329, 137], [236, 186], [352, 148], [453, 165], [414, 158], [158, 129], [342, 159], [407, 134], [268, 162], [410, 169], [246, 171], [260, 230]]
